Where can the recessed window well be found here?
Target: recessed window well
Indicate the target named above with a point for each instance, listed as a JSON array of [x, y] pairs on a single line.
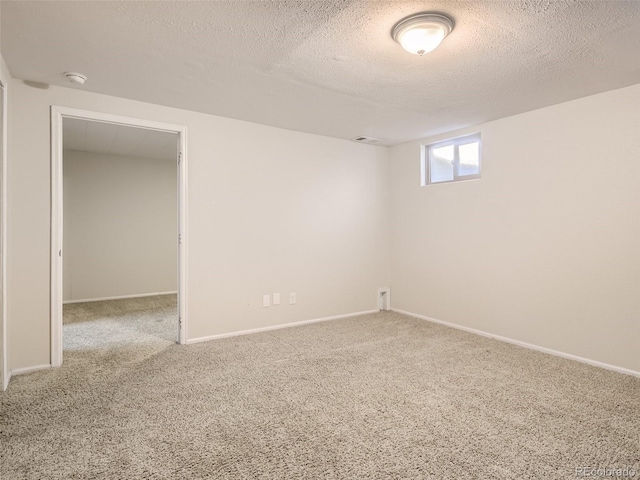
[[452, 160]]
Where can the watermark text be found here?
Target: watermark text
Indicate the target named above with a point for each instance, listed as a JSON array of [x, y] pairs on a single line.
[[605, 472]]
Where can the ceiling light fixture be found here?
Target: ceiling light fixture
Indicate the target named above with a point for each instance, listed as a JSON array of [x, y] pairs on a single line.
[[422, 32]]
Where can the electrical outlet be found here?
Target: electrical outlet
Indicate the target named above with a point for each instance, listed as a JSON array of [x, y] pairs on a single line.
[[266, 300], [292, 299], [276, 299]]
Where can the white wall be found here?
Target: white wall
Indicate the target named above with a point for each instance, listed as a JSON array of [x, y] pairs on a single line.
[[120, 225], [269, 210], [544, 248]]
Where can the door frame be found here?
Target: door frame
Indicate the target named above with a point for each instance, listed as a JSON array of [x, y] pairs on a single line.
[[5, 374], [59, 113]]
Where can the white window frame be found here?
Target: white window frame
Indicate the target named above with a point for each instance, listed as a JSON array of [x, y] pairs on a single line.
[[456, 142]]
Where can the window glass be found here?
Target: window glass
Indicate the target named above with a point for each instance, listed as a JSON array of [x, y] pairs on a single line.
[[469, 159], [442, 164]]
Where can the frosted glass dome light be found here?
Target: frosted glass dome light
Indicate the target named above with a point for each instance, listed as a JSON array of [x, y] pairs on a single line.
[[421, 33]]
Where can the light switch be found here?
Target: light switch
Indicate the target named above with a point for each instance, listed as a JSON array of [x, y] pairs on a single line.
[[276, 299], [266, 300]]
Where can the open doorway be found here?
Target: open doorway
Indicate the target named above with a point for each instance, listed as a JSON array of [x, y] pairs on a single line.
[[118, 233]]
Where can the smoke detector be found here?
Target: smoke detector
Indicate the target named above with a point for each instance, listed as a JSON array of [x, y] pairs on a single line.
[[369, 140], [75, 77]]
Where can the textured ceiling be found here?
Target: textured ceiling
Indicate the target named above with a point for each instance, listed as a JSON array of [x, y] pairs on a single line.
[[330, 66], [98, 137]]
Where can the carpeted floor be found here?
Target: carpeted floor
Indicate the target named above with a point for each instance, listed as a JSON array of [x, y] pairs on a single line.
[[113, 324], [377, 396]]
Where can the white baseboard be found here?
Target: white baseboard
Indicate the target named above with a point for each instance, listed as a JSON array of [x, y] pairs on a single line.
[[120, 297], [275, 327], [519, 343], [35, 368]]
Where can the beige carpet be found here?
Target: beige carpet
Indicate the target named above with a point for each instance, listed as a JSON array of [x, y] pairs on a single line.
[[144, 321], [377, 396]]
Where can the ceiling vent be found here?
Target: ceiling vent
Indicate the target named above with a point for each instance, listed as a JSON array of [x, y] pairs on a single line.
[[366, 140]]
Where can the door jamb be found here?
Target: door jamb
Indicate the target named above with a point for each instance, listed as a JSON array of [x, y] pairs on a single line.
[[58, 113], [5, 374]]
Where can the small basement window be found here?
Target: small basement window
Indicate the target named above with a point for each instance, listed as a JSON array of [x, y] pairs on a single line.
[[451, 160]]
